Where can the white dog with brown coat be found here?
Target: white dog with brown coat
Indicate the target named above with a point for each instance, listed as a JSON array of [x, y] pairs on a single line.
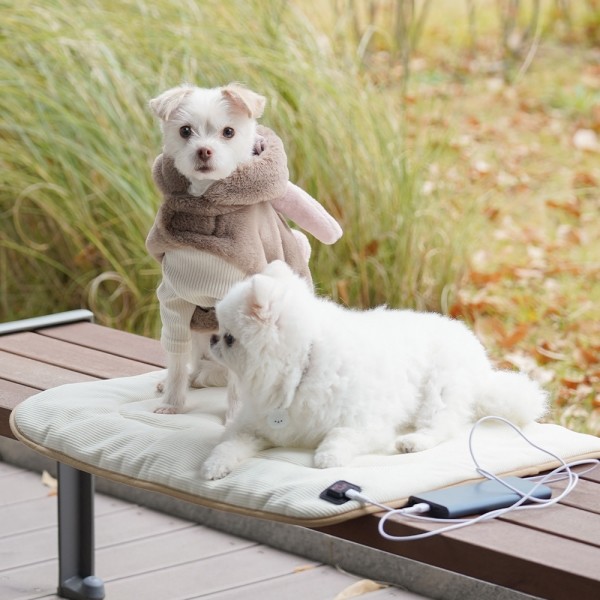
[[313, 374]]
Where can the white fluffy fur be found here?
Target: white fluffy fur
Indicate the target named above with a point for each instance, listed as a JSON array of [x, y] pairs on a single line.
[[350, 382], [208, 113]]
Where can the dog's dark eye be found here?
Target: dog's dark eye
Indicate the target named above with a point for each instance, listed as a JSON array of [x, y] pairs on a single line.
[[228, 339], [185, 132], [228, 132]]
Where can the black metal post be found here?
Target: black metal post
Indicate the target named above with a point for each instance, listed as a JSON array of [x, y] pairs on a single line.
[[76, 536]]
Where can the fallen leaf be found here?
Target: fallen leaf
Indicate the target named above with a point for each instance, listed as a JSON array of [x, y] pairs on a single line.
[[359, 588], [302, 568], [522, 273], [583, 179], [572, 381], [586, 139], [488, 328], [546, 353], [513, 338], [479, 278], [586, 357], [50, 482], [572, 207]]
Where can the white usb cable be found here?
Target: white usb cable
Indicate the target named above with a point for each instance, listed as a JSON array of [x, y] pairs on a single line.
[[418, 511]]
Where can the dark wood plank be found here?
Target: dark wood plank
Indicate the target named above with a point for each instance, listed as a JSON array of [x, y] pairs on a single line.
[[562, 521], [10, 395], [13, 393], [586, 495], [36, 374], [500, 552], [111, 341], [593, 475], [71, 356]]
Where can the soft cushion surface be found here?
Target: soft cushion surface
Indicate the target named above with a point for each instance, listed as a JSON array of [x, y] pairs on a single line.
[[109, 428]]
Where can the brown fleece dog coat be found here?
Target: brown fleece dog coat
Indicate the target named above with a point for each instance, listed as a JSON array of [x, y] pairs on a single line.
[[234, 219]]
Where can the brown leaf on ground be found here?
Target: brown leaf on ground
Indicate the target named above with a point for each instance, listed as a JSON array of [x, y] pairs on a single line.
[[513, 338], [359, 588]]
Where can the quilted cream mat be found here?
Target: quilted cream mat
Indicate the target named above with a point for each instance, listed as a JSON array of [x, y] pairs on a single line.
[[108, 428]]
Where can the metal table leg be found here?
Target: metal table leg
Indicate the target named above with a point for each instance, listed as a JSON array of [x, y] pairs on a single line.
[[76, 536]]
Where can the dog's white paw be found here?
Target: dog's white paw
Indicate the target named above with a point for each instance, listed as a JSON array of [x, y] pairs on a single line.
[[328, 459], [414, 442], [214, 469], [166, 409]]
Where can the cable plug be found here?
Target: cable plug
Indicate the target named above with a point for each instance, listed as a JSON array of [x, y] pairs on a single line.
[[416, 509], [337, 493], [354, 494]]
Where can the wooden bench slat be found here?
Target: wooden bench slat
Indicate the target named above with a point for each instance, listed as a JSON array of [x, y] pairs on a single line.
[[112, 341], [593, 475], [563, 521], [503, 553], [71, 356], [40, 375], [10, 395], [586, 495]]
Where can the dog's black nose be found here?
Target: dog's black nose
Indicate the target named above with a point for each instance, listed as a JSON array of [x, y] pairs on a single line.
[[204, 153], [214, 339]]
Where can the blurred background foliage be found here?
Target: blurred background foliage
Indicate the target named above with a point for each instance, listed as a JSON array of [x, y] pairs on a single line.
[[76, 197], [457, 143]]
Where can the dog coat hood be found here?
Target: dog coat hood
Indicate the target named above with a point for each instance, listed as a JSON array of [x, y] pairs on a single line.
[[234, 219]]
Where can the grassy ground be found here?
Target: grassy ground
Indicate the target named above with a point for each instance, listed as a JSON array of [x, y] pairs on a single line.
[[528, 150]]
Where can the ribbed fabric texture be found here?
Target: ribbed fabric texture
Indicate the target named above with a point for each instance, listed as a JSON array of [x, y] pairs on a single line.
[[190, 278], [111, 425]]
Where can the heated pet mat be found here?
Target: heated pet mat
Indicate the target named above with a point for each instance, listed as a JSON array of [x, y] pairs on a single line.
[[109, 428]]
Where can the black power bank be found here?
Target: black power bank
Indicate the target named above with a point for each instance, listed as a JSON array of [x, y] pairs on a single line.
[[475, 498]]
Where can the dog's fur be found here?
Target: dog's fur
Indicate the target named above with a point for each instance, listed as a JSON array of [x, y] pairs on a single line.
[[226, 196], [313, 374], [206, 155]]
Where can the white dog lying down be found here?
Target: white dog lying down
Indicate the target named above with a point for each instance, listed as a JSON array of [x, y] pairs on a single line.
[[312, 374]]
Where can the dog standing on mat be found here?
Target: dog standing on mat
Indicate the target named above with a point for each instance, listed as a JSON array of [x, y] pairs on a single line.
[[226, 192]]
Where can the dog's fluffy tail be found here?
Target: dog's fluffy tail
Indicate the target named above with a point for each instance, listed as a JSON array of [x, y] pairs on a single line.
[[512, 395]]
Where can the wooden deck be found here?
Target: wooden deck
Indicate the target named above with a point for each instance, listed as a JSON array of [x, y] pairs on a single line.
[[552, 554], [145, 554]]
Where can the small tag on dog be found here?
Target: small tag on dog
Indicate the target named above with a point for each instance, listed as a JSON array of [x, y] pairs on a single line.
[[278, 418]]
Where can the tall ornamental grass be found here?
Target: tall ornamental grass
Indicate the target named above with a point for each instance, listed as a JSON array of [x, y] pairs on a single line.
[[77, 143]]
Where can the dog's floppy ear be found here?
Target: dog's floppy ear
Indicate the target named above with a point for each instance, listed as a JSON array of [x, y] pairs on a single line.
[[168, 102], [244, 100], [263, 299]]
